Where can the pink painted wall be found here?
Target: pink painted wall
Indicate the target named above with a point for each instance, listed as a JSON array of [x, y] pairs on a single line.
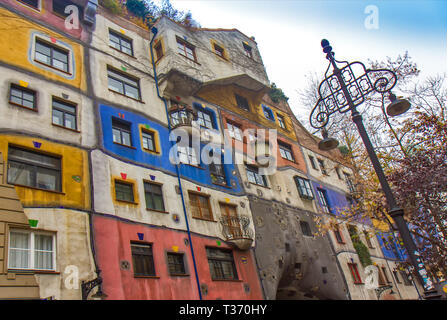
[[112, 244]]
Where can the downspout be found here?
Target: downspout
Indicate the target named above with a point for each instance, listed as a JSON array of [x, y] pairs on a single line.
[[155, 31]]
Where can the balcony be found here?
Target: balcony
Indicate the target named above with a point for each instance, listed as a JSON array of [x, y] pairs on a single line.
[[236, 231], [182, 116]]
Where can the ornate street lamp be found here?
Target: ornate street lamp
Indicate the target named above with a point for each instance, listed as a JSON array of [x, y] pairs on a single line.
[[342, 91]]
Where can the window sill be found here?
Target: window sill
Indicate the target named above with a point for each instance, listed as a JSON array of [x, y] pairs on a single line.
[[359, 283], [151, 151], [124, 145], [222, 185], [220, 57], [146, 277], [229, 280], [204, 219], [56, 69], [40, 189], [188, 58], [19, 105], [179, 274], [159, 211], [130, 56], [127, 202], [33, 271], [123, 95], [293, 161], [66, 128], [192, 165], [259, 185]]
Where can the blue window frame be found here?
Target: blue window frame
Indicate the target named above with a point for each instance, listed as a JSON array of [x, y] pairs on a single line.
[[268, 113], [205, 116]]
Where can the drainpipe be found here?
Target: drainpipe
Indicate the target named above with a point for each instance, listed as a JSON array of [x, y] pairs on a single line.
[[154, 30]]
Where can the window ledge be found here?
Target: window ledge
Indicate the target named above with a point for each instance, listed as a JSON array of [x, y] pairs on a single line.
[[150, 151], [179, 274], [188, 58], [70, 129], [127, 202], [123, 95], [159, 211], [204, 219], [360, 283], [192, 165], [124, 145], [259, 185], [35, 188], [56, 69], [146, 277], [229, 280], [19, 105], [222, 185], [130, 56], [33, 271]]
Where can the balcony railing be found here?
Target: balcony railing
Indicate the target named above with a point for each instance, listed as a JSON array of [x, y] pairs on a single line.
[[181, 115], [236, 231]]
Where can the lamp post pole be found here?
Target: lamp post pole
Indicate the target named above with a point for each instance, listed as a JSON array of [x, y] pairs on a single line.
[[344, 91]]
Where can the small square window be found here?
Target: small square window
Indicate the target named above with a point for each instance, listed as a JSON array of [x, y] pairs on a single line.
[[64, 114], [200, 206], [285, 151], [158, 50], [176, 263], [22, 97], [234, 131], [186, 49], [304, 188], [254, 176], [324, 203], [322, 166], [123, 83], [281, 121], [268, 113], [221, 263], [124, 191], [154, 196], [52, 56], [148, 140], [205, 118], [121, 132], [31, 3], [143, 259], [248, 50], [312, 162], [219, 50], [338, 235], [120, 43], [242, 102], [305, 228]]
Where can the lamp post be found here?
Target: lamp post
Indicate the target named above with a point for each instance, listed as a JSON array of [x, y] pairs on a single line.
[[343, 91]]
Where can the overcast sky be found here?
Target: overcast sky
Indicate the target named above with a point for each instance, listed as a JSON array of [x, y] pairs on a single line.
[[289, 32]]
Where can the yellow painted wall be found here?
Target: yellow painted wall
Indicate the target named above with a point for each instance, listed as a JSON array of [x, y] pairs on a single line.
[[224, 96], [15, 48], [74, 164]]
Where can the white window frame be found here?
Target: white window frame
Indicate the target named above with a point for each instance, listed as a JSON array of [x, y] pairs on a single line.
[[234, 131], [187, 155], [32, 249]]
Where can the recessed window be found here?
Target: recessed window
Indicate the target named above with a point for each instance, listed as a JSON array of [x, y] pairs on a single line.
[[254, 176], [31, 250], [355, 273], [281, 121], [217, 173], [324, 203], [186, 49], [120, 43], [32, 3], [187, 155], [60, 5], [148, 140], [51, 55], [234, 131], [285, 151], [121, 131], [312, 162], [322, 166], [142, 259], [205, 118], [305, 228], [158, 50], [221, 262], [406, 278], [338, 235], [248, 50], [385, 274], [396, 277], [219, 50], [22, 97], [124, 191], [268, 113], [200, 206], [154, 196], [176, 263], [32, 169], [64, 114], [368, 239], [242, 102], [229, 214], [348, 179], [304, 188], [123, 84]]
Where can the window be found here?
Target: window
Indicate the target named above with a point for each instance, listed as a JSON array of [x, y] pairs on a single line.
[[187, 155], [381, 278], [248, 50], [60, 5], [121, 132], [31, 250], [312, 162], [305, 228], [32, 3], [148, 140], [32, 169], [368, 239], [281, 121], [218, 50], [123, 84], [22, 97], [385, 275], [51, 56], [229, 214], [324, 203], [64, 114], [186, 49], [142, 259], [253, 176], [234, 131], [242, 102], [349, 182], [405, 277], [154, 196], [120, 43], [338, 235], [200, 206], [355, 273], [304, 188], [396, 276], [322, 167], [158, 50], [221, 264], [285, 151], [205, 118], [179, 117], [176, 264], [124, 191], [268, 113], [217, 173]]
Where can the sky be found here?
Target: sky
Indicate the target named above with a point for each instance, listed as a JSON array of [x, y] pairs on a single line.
[[289, 32]]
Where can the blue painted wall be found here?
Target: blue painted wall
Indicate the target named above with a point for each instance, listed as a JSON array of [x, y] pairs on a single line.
[[161, 160]]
